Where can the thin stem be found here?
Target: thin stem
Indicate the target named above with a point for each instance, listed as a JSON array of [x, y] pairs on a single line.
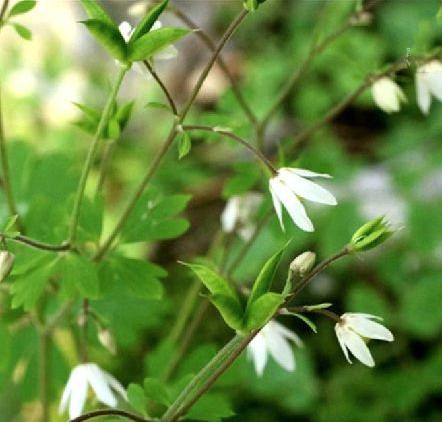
[[173, 411], [91, 155], [108, 152], [325, 312], [84, 331], [169, 141], [222, 64], [236, 138], [3, 11], [110, 412], [44, 375], [5, 163], [163, 87], [37, 244]]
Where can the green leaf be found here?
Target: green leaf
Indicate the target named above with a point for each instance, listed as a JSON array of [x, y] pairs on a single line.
[[123, 113], [246, 176], [154, 41], [91, 219], [318, 306], [212, 407], [21, 7], [24, 32], [161, 106], [109, 37], [262, 310], [10, 224], [230, 309], [95, 11], [156, 391], [147, 22], [141, 278], [265, 278], [136, 398], [215, 283], [184, 145], [79, 274], [113, 129], [306, 320], [439, 15]]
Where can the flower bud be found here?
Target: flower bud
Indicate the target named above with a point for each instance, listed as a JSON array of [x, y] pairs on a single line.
[[6, 263], [303, 263], [107, 340], [370, 235], [252, 5]]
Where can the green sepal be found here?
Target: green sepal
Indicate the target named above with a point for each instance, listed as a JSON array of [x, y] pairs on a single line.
[[148, 21], [262, 310]]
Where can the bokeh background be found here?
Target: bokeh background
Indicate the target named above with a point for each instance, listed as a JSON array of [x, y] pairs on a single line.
[[382, 165]]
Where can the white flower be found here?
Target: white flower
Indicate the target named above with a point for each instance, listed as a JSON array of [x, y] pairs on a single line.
[[6, 263], [239, 213], [428, 83], [387, 94], [289, 185], [273, 339], [352, 331], [101, 382], [167, 53]]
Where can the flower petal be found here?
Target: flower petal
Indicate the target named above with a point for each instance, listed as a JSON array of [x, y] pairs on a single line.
[[276, 204], [285, 332], [308, 173], [340, 337], [257, 350], [78, 391], [125, 30], [280, 350], [306, 189], [115, 384], [168, 53], [229, 217], [369, 329], [423, 96], [100, 386], [293, 205], [357, 346]]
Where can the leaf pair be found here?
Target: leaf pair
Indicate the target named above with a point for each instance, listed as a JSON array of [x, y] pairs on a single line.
[[261, 304], [142, 44]]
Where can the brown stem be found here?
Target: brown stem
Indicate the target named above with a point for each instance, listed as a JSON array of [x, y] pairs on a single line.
[[3, 10], [37, 244], [110, 412]]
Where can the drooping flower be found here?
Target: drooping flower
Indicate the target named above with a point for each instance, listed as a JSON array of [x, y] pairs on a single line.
[[239, 212], [428, 84], [354, 329], [6, 263], [103, 384], [273, 339], [291, 184], [387, 95]]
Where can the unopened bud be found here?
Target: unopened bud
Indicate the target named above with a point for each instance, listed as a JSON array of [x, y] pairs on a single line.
[[6, 263], [362, 19], [303, 263], [252, 5], [107, 340], [370, 235]]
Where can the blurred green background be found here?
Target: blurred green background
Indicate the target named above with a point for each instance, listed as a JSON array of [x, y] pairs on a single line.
[[382, 165]]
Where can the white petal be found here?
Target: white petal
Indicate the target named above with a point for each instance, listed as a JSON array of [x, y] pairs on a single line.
[[369, 329], [65, 396], [280, 350], [115, 384], [434, 81], [423, 96], [125, 30], [258, 352], [229, 217], [361, 314], [276, 204], [168, 53], [285, 332], [156, 25], [357, 346], [100, 386], [78, 392], [306, 189], [309, 174], [292, 204]]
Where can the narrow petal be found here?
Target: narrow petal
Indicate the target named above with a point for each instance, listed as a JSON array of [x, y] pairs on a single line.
[[361, 314], [293, 205], [308, 173], [229, 217], [276, 204], [434, 80], [78, 392], [340, 337], [65, 396], [168, 53], [285, 332], [307, 189], [115, 384], [100, 386], [258, 352], [423, 96], [125, 30], [370, 329], [280, 350], [357, 347]]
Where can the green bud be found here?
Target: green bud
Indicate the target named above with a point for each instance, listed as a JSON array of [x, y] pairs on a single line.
[[107, 340], [252, 5], [6, 263], [303, 263], [370, 235]]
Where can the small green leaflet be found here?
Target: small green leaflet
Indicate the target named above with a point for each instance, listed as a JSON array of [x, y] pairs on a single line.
[[95, 11], [156, 391], [212, 407], [184, 145], [152, 42], [147, 22], [21, 30], [304, 319], [21, 7], [136, 398], [160, 106], [262, 310]]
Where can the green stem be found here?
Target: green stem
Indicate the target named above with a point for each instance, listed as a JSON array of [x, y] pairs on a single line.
[[5, 165], [108, 152], [91, 155], [169, 141], [44, 375], [3, 11], [203, 375]]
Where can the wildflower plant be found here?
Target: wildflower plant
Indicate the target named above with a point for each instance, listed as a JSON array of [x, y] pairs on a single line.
[[89, 278]]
